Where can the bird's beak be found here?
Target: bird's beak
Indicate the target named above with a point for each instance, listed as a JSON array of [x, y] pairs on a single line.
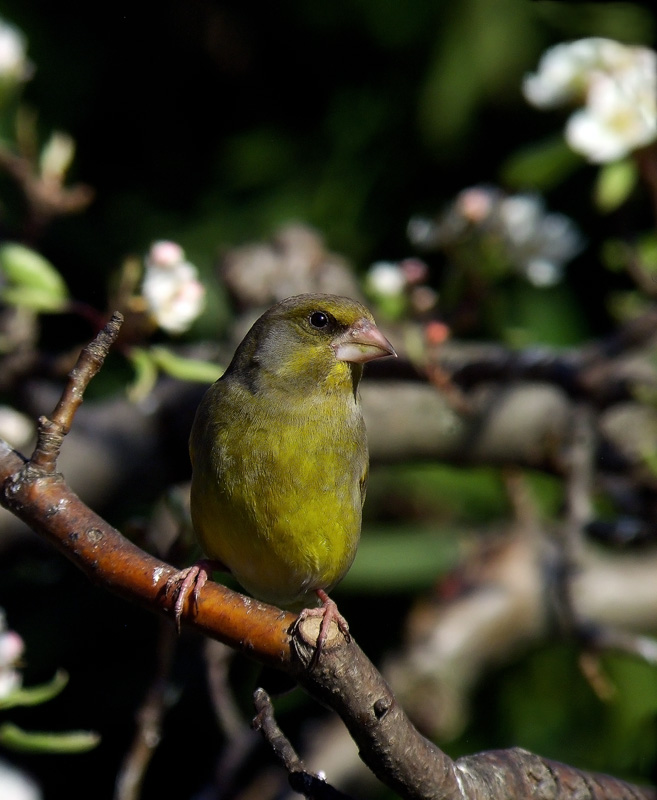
[[361, 342]]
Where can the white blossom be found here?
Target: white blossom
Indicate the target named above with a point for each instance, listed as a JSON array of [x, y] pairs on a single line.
[[414, 271], [620, 114], [173, 294], [617, 87], [166, 254], [471, 208], [386, 278], [10, 680], [564, 70], [476, 203], [11, 650], [421, 232], [16, 785], [14, 65], [395, 284], [535, 242], [16, 428], [538, 244]]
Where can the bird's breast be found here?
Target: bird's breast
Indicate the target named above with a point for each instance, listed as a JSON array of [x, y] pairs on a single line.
[[282, 505]]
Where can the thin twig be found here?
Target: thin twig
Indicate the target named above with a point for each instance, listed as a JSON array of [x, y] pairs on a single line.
[[238, 734], [579, 479], [45, 198], [51, 431], [149, 720], [302, 781]]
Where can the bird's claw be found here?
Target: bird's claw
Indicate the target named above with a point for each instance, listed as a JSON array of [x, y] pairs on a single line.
[[188, 582], [329, 613]]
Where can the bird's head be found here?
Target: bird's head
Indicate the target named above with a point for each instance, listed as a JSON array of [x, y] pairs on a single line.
[[313, 338]]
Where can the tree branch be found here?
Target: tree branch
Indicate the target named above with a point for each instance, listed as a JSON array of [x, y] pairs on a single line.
[[149, 721], [312, 786], [344, 678]]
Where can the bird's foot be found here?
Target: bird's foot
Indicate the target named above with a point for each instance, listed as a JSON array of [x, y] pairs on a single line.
[[188, 583], [329, 613]]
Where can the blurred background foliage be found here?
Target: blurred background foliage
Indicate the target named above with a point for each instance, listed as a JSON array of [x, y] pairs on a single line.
[[212, 123]]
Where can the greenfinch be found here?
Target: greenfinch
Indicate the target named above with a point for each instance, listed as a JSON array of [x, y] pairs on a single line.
[[279, 453]]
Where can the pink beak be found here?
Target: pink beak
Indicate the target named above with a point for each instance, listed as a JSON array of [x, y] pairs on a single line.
[[362, 342]]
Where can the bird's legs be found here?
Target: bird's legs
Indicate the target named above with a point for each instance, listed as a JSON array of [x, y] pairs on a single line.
[[329, 613], [189, 582]]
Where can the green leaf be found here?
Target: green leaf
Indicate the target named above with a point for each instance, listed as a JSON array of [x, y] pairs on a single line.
[[34, 299], [402, 559], [647, 249], [625, 306], [36, 695], [541, 165], [614, 184], [615, 254], [32, 281], [185, 369], [45, 742], [145, 369]]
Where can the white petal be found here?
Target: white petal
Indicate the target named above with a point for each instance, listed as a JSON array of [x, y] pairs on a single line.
[[588, 134]]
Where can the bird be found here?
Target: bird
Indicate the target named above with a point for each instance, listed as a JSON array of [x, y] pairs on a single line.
[[279, 456]]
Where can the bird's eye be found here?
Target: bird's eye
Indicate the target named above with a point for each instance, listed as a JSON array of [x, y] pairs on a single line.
[[319, 320]]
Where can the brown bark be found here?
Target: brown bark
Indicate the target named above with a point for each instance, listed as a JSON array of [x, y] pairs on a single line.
[[343, 678]]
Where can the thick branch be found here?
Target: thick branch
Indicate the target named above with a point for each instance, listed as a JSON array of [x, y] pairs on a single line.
[[49, 507], [343, 678]]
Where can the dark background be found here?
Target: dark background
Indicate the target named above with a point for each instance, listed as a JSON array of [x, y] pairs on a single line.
[[211, 123]]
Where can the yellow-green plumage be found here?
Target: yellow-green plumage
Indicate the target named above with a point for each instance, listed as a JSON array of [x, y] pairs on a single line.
[[279, 450]]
